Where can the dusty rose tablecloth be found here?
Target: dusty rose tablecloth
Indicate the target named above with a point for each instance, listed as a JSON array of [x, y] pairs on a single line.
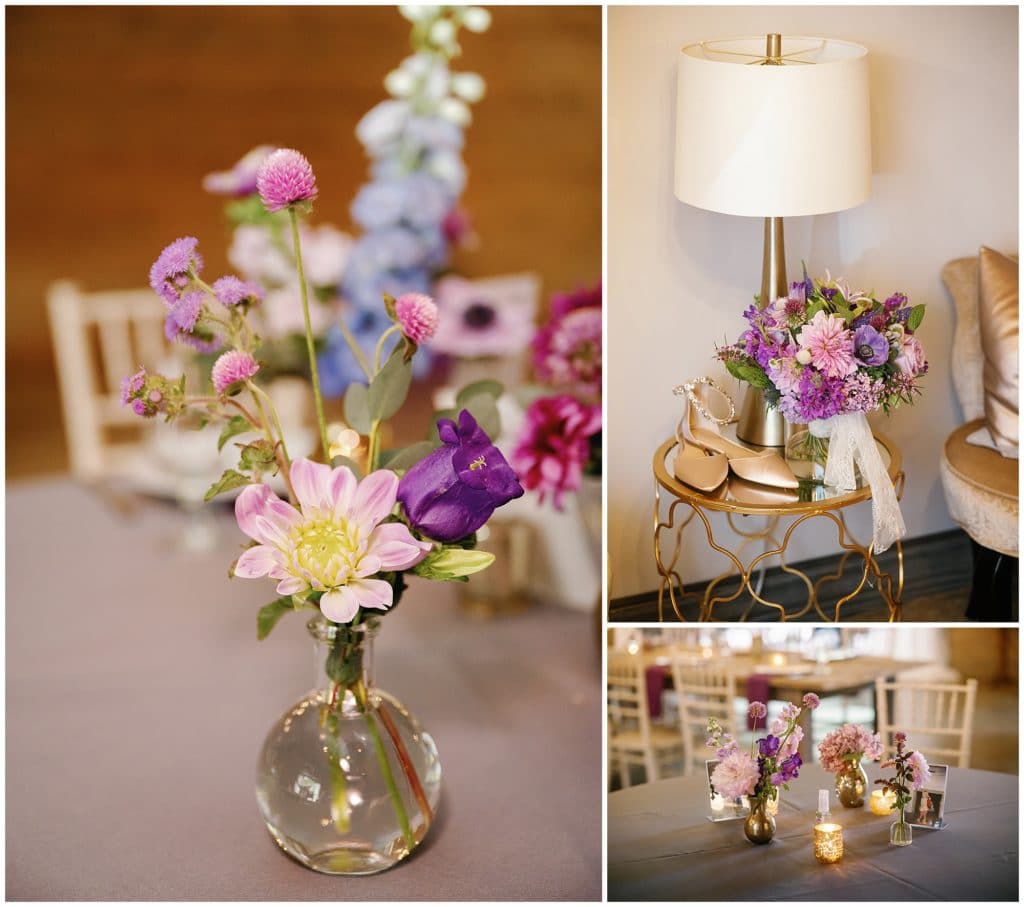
[[138, 698], [661, 846]]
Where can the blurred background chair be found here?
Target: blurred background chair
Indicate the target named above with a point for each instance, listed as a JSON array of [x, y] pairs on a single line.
[[938, 718], [704, 689], [979, 483], [634, 740]]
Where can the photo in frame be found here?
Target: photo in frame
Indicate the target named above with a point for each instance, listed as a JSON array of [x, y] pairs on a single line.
[[723, 810], [927, 806]]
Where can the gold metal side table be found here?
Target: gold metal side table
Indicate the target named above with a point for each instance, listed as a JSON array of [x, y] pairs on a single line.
[[736, 497]]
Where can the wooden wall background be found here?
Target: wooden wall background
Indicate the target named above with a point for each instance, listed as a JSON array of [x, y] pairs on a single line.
[[114, 115]]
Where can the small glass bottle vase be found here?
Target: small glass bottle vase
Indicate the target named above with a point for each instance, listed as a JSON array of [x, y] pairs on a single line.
[[851, 785], [348, 782], [900, 834], [807, 451]]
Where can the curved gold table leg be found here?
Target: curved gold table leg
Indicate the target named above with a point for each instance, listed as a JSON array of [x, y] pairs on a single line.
[[670, 577]]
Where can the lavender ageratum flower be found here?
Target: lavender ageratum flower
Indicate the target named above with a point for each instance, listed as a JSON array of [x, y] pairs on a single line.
[[284, 179], [171, 272], [186, 311], [231, 291], [768, 746], [453, 491], [870, 347]]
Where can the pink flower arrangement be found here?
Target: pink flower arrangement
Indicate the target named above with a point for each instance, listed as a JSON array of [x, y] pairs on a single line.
[[555, 445], [849, 745], [912, 772]]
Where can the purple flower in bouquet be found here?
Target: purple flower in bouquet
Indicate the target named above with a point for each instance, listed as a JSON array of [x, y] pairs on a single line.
[[452, 492], [555, 444], [830, 344], [231, 291], [172, 271], [816, 397], [789, 769], [870, 347], [768, 746], [285, 178], [240, 180], [735, 776], [336, 542]]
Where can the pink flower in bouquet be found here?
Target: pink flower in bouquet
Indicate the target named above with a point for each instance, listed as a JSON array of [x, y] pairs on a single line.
[[830, 344], [792, 744], [567, 351], [417, 316], [919, 769], [233, 367], [172, 270], [240, 180], [811, 701], [910, 360], [492, 317], [555, 445], [335, 543], [735, 776], [757, 710], [850, 740], [284, 179]]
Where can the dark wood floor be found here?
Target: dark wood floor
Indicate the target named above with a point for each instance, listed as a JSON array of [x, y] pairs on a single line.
[[938, 579]]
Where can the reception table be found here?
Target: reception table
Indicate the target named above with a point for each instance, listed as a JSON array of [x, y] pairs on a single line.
[[138, 698], [661, 846]]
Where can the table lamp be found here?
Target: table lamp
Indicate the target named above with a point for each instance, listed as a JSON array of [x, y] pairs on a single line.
[[772, 127]]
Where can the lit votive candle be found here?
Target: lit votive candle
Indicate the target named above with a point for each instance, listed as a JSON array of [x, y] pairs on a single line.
[[717, 803], [828, 842], [773, 806], [882, 803]]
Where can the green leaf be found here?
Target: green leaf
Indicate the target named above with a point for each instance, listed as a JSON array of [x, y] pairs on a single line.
[[752, 374], [389, 387], [486, 386], [357, 470], [269, 615], [237, 425], [357, 409], [484, 409], [408, 456], [258, 455], [916, 316], [230, 479], [453, 564]]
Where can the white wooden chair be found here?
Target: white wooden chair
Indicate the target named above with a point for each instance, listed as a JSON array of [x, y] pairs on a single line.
[[705, 689], [938, 718], [632, 738]]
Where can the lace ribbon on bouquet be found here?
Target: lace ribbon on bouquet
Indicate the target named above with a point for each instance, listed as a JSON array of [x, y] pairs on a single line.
[[852, 442]]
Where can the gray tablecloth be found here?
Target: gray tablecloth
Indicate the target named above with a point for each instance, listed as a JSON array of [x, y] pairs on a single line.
[[138, 698], [662, 847]]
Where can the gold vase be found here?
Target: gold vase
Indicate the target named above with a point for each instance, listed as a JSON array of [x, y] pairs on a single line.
[[759, 826], [851, 785]]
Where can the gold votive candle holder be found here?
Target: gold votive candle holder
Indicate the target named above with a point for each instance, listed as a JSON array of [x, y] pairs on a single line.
[[882, 802], [828, 842]]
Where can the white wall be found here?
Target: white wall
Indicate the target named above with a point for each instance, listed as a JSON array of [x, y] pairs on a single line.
[[944, 126]]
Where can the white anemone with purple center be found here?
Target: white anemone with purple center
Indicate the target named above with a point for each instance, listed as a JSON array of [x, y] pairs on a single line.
[[335, 543]]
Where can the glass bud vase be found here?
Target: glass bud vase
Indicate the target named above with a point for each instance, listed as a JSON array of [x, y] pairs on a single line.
[[900, 834], [851, 785], [807, 451], [759, 826], [348, 781]]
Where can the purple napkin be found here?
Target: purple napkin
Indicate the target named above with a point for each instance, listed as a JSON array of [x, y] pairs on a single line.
[[758, 689], [655, 676]]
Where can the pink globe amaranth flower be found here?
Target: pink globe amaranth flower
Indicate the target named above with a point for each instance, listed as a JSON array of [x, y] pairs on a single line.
[[284, 178], [555, 445], [336, 542], [735, 776], [757, 710], [231, 368], [240, 180], [811, 701], [830, 344], [910, 359], [417, 316], [231, 291], [170, 273]]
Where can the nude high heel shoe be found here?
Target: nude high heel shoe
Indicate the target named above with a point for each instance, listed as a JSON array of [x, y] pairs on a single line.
[[763, 467], [694, 464]]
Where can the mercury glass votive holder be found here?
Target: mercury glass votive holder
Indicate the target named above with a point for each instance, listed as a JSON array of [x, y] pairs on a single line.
[[828, 842]]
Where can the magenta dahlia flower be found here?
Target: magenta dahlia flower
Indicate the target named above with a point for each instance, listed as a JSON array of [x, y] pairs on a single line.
[[417, 315], [567, 351], [555, 445], [830, 344], [336, 543], [172, 271], [735, 776], [284, 179], [233, 367]]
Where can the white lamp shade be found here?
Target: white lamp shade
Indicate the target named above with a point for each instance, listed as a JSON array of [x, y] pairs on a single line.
[[773, 141]]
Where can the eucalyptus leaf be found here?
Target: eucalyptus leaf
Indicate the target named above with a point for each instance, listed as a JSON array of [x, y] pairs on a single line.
[[357, 408], [485, 386], [357, 470], [484, 409], [230, 479], [269, 615], [389, 387], [408, 456], [916, 317]]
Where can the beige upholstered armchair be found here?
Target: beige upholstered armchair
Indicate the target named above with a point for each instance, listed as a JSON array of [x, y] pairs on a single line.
[[980, 484]]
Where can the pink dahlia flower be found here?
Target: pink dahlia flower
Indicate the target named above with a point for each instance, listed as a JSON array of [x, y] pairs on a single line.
[[735, 776], [567, 351], [830, 344], [335, 543], [285, 178], [417, 315], [232, 368], [919, 769], [555, 445]]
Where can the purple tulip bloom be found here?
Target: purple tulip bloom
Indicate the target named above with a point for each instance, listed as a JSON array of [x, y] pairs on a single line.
[[453, 491], [870, 347], [769, 746], [790, 767]]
